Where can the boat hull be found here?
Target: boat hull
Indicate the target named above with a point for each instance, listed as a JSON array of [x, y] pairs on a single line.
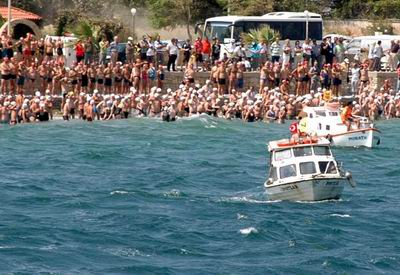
[[355, 139], [307, 190]]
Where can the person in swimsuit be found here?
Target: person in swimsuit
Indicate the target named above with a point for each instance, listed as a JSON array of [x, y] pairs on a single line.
[[221, 74], [145, 79], [5, 69], [100, 78], [108, 72]]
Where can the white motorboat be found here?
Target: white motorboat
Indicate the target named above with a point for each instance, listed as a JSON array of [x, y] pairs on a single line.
[[326, 122], [304, 170]]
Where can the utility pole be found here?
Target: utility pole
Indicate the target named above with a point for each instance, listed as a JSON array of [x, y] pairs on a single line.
[[9, 18]]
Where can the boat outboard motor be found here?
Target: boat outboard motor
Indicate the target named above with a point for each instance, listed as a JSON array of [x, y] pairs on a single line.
[[349, 177]]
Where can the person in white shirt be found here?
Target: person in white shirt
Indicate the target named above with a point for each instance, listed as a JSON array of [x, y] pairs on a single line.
[[173, 50], [160, 49], [377, 55], [275, 51], [355, 78], [287, 52], [307, 50], [151, 52]]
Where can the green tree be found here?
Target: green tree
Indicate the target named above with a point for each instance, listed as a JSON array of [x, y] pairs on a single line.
[[172, 13]]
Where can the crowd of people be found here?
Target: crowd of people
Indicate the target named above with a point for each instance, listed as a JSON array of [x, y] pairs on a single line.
[[34, 77]]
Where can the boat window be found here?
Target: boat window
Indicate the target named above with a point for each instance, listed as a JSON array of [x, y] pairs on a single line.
[[273, 174], [288, 171], [328, 127], [307, 168], [284, 154], [333, 113], [302, 151], [327, 167], [322, 151], [320, 113]]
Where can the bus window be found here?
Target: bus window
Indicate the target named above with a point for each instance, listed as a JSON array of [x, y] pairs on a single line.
[[315, 30], [302, 151], [293, 30], [307, 168], [220, 30], [288, 171]]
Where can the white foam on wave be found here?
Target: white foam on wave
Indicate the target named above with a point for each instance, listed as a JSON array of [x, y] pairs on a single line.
[[248, 231], [127, 252], [118, 192], [174, 193], [246, 200], [340, 215], [241, 216], [323, 201]]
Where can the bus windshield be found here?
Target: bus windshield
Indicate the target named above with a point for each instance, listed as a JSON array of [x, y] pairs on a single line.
[[220, 30]]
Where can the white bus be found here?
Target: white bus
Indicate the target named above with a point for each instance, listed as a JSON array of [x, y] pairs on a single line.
[[290, 25]]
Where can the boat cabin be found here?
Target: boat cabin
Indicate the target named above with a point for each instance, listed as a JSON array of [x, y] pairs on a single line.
[[324, 120], [301, 161]]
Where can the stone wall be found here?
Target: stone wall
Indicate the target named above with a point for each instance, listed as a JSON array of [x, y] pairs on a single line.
[[378, 78], [173, 79]]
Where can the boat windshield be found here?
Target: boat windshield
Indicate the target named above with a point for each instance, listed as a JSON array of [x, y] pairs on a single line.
[[288, 171], [284, 154], [302, 151], [327, 167], [322, 151], [273, 174], [307, 168]]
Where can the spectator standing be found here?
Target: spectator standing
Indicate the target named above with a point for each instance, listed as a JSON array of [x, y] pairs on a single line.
[[173, 50], [103, 45], [307, 50], [151, 51], [114, 50], [216, 50], [393, 55], [377, 54], [355, 78], [187, 51], [89, 51], [130, 51], [144, 46], [287, 53], [206, 51], [79, 51], [160, 49], [275, 51], [198, 47]]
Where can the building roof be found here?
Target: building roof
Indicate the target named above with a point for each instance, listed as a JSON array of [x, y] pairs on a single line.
[[17, 13]]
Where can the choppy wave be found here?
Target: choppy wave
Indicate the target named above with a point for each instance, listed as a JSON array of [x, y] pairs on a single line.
[[141, 196]]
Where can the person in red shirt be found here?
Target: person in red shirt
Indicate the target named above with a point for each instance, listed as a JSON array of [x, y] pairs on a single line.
[[198, 47], [80, 51], [206, 51]]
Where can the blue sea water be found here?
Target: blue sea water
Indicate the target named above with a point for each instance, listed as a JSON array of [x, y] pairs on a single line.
[[141, 196]]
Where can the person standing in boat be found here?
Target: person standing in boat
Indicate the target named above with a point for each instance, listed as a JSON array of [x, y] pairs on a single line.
[[347, 116]]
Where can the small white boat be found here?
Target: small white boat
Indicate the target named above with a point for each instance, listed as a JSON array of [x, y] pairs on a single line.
[[304, 170], [326, 122]]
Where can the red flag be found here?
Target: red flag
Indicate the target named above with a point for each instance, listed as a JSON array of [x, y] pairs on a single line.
[[294, 129]]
